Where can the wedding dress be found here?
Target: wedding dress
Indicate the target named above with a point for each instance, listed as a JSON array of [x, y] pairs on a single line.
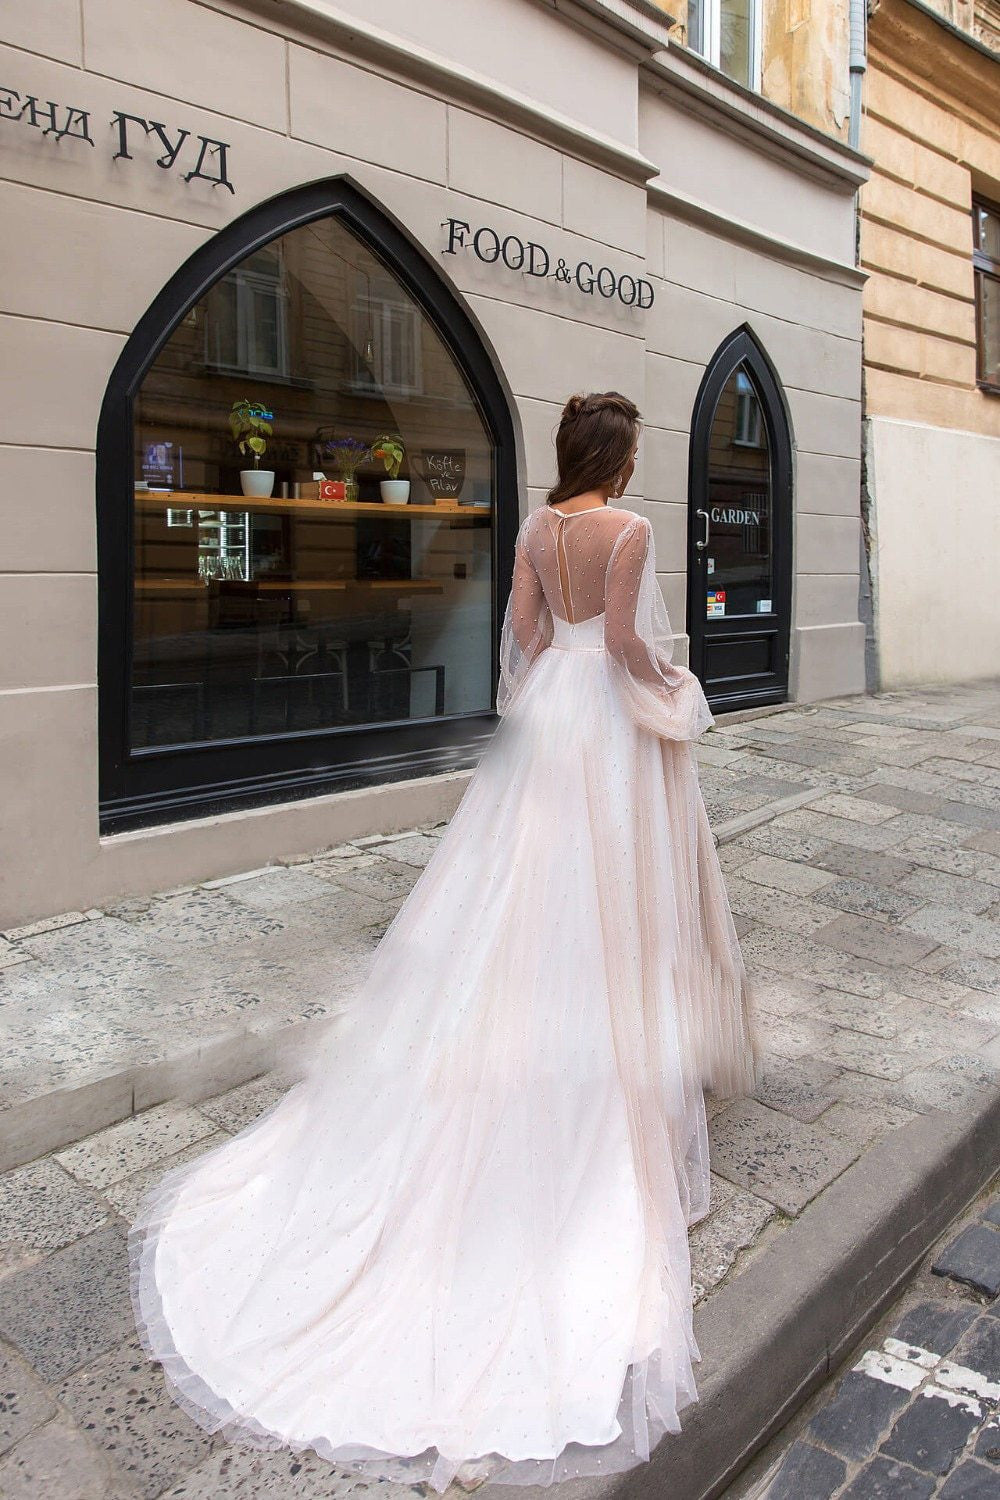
[[458, 1244]]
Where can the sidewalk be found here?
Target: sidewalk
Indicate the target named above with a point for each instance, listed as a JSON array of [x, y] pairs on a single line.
[[861, 843]]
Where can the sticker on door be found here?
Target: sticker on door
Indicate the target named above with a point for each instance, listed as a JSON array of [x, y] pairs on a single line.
[[716, 602]]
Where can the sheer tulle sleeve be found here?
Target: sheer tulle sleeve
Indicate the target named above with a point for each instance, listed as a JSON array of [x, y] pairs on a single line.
[[527, 624], [666, 698]]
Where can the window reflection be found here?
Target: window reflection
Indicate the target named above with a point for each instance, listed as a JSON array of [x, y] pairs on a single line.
[[270, 601], [696, 39], [734, 40], [740, 551], [722, 31], [246, 327]]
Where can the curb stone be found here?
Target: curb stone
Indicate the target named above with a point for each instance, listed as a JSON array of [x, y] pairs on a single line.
[[34, 1127], [725, 832]]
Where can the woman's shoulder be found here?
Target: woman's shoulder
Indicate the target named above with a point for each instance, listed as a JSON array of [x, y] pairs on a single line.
[[631, 521], [632, 538]]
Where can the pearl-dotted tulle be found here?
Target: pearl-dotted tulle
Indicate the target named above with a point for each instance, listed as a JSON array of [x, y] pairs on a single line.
[[459, 1243]]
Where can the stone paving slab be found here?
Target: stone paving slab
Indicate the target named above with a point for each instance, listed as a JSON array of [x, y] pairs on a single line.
[[869, 1021], [119, 1399], [58, 1460], [70, 1306], [43, 1209]]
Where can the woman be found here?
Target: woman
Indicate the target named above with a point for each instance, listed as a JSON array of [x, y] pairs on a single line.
[[457, 1248]]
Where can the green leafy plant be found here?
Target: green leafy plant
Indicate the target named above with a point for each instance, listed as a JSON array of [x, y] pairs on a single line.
[[390, 450], [250, 424]]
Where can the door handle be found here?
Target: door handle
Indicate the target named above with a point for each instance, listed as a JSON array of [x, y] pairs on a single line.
[[704, 541]]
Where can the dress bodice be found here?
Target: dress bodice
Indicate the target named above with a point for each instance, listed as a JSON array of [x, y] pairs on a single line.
[[570, 551], [579, 635]]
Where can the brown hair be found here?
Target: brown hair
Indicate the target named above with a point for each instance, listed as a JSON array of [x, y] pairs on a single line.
[[594, 442]]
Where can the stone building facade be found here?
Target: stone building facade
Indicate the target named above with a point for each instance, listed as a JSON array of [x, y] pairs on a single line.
[[930, 243], [375, 223]]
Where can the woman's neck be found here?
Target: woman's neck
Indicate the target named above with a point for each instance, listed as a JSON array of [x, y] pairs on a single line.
[[589, 500]]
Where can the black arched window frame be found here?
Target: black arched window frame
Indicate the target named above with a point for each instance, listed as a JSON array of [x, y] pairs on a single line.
[[154, 785], [741, 347]]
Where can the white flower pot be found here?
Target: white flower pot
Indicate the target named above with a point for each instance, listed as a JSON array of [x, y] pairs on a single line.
[[395, 491], [257, 482]]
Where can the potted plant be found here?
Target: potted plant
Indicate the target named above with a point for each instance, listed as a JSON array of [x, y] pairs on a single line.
[[250, 424], [394, 491], [347, 454]]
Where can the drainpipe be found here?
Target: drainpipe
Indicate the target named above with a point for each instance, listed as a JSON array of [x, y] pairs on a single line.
[[858, 63]]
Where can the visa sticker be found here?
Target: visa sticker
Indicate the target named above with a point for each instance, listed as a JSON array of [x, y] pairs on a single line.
[[716, 599]]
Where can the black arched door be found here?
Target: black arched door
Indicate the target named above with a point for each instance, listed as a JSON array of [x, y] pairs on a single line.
[[306, 511], [740, 529]]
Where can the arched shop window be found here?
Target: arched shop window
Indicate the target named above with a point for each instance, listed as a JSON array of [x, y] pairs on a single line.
[[317, 608]]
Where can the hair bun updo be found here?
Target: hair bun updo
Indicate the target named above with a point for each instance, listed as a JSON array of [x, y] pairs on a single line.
[[597, 434], [597, 401]]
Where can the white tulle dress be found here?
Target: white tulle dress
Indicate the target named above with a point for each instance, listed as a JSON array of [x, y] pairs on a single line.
[[458, 1245]]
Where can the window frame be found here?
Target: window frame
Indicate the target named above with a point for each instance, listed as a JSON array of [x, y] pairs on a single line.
[[984, 267], [749, 414], [712, 50], [249, 284], [715, 645], [369, 305], [152, 785]]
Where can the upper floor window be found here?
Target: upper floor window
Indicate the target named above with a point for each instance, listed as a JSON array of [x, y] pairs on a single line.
[[986, 270], [246, 325], [727, 34], [386, 339], [748, 426]]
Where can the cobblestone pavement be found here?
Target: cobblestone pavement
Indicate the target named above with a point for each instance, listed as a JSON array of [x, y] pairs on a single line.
[[916, 1413], [861, 843]]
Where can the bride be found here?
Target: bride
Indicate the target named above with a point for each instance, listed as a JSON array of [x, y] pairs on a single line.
[[457, 1247]]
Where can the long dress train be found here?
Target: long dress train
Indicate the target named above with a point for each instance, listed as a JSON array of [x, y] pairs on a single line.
[[458, 1244]]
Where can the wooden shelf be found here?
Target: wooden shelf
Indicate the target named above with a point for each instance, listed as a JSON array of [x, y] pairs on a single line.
[[298, 585], [328, 509]]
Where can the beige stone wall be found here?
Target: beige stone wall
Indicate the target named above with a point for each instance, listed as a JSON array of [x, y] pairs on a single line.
[[936, 535], [804, 66], [932, 125], [298, 100]]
